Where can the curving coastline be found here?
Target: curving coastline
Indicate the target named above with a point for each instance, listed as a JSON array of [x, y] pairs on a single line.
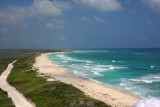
[[106, 94]]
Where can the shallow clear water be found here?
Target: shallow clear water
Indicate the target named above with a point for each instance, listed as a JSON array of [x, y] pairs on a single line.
[[135, 70]]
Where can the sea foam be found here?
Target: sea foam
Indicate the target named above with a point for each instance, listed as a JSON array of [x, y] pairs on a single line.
[[138, 70]]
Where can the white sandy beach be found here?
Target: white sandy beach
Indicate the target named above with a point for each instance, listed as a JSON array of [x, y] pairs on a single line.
[[108, 95]]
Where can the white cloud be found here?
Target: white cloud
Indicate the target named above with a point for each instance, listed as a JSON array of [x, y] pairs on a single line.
[[149, 23], [39, 9], [100, 20], [55, 24], [6, 40], [63, 39], [4, 30], [141, 37], [49, 25], [85, 19], [153, 4], [102, 5], [83, 39], [13, 15], [49, 8], [58, 21], [35, 40]]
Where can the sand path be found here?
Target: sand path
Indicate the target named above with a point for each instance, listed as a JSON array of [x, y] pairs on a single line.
[[18, 99], [105, 94]]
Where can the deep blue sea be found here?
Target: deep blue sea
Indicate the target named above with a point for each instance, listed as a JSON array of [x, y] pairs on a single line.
[[134, 70]]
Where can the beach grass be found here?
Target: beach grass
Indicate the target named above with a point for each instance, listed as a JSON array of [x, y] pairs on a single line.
[[4, 63], [5, 101], [44, 93]]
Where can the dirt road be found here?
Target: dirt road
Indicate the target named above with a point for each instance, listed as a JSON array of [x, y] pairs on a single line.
[[18, 99]]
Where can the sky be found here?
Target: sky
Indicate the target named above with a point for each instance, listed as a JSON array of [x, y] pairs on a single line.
[[73, 24]]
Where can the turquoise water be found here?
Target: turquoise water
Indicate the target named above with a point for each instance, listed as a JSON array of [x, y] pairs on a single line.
[[135, 70]]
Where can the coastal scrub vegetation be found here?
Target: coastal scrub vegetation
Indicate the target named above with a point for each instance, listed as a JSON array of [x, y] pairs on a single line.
[[4, 63], [44, 93], [5, 101]]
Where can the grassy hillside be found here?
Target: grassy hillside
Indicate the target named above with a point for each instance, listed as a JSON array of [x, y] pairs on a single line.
[[47, 94]]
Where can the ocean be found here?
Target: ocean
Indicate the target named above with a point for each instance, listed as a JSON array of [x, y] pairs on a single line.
[[134, 70]]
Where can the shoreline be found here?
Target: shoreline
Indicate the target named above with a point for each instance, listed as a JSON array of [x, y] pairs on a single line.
[[108, 94], [97, 82], [112, 87]]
